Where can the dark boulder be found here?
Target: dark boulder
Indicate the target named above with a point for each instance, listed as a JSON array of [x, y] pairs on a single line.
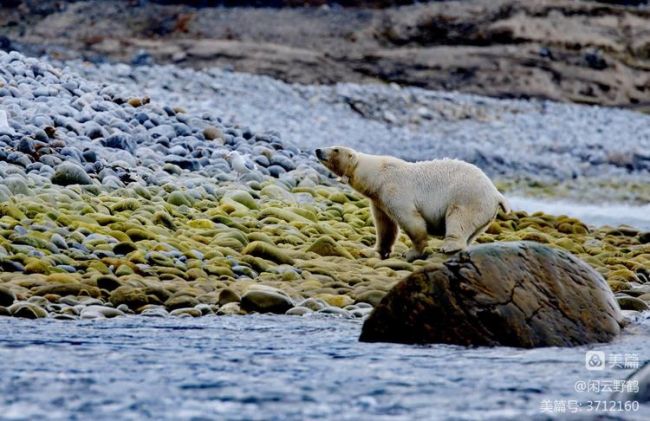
[[520, 294]]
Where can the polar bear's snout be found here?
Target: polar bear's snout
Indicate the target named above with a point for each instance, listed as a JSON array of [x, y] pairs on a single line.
[[325, 154], [338, 159]]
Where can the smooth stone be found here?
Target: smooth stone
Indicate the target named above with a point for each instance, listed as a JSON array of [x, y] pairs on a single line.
[[68, 173], [298, 311], [335, 311], [7, 296], [205, 309], [134, 298], [181, 301], [372, 297], [27, 310], [193, 312], [155, 312], [230, 309], [228, 295], [313, 304], [265, 300], [498, 294], [632, 303], [100, 312]]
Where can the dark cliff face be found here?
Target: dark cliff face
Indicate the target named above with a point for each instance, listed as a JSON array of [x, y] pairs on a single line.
[[288, 3]]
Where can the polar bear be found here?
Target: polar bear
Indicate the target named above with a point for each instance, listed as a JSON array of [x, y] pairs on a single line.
[[440, 197]]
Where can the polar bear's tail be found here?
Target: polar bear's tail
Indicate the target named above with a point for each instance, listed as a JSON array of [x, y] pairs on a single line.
[[503, 204]]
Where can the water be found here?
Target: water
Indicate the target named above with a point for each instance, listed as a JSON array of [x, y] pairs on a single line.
[[613, 214], [276, 367]]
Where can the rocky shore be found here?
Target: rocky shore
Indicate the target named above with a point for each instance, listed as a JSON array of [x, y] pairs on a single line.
[[118, 201]]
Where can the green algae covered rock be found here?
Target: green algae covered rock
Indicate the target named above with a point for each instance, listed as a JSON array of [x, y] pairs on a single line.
[[326, 246], [268, 252]]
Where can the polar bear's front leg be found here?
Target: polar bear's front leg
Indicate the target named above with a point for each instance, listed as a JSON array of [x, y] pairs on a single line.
[[386, 232]]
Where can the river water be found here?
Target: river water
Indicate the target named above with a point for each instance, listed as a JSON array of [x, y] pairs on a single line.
[[612, 214], [281, 368]]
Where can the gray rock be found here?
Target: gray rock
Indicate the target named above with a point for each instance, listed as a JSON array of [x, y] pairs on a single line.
[[68, 173]]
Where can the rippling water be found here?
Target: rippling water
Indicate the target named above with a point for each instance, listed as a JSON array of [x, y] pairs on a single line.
[[276, 367]]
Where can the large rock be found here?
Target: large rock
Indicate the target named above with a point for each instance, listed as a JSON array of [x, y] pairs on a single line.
[[519, 294]]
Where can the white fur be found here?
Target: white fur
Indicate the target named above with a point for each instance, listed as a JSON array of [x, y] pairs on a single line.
[[440, 197]]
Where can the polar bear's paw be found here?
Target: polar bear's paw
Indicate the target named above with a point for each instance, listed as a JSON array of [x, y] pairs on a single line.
[[451, 246], [412, 255]]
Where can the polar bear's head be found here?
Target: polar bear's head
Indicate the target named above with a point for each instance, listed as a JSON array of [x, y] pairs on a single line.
[[340, 160]]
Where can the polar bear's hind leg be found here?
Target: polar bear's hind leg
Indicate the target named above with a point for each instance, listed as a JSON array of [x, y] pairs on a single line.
[[461, 229], [415, 227]]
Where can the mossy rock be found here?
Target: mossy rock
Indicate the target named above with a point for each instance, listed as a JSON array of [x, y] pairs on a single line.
[[108, 282], [618, 285], [537, 237], [326, 246], [123, 270], [62, 278], [268, 252], [632, 303], [243, 198], [622, 274], [228, 295], [124, 248], [37, 266], [8, 209], [164, 219], [203, 224], [219, 270], [260, 236], [126, 205], [27, 310], [181, 301], [68, 289], [257, 263], [229, 222], [133, 298], [283, 215], [335, 300], [569, 245], [178, 198], [138, 234], [372, 297], [7, 296]]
